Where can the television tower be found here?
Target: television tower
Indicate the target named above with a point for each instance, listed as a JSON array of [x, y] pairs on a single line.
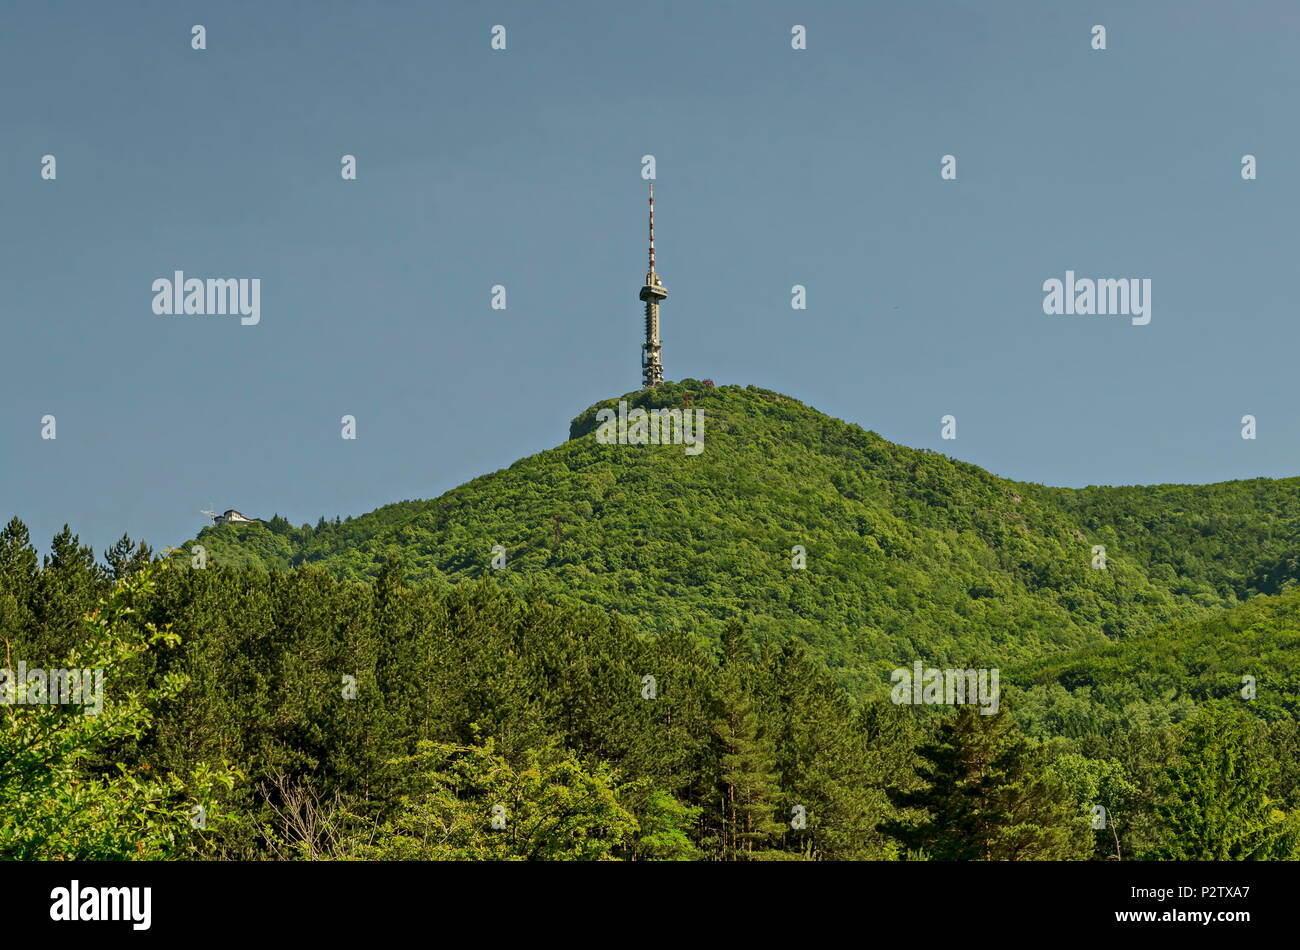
[[652, 367]]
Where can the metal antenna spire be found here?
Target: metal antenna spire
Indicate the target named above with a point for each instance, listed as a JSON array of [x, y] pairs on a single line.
[[652, 227], [652, 368]]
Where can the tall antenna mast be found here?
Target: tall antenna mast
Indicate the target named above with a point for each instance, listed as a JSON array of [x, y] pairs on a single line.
[[652, 367], [652, 227]]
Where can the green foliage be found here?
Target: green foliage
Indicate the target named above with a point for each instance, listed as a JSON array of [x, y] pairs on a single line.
[[664, 829], [52, 806], [748, 791], [379, 688], [909, 553], [1216, 544], [314, 688], [462, 803], [986, 796], [1158, 679], [1106, 796], [1216, 804], [125, 558]]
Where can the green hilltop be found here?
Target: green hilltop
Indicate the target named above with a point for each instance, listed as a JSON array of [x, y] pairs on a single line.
[[909, 553]]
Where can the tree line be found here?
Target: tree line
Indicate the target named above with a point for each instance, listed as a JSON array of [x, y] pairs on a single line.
[[292, 715]]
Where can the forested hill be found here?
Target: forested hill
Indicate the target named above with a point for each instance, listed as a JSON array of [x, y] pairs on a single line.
[[1250, 652], [909, 553], [1216, 543]]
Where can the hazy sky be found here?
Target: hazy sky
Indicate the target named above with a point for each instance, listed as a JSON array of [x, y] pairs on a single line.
[[522, 167]]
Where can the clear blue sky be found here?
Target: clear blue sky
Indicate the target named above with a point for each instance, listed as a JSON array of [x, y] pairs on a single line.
[[775, 167]]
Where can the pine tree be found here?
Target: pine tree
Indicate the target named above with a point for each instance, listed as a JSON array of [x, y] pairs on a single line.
[[19, 572], [832, 768], [124, 558], [68, 586], [18, 561], [987, 797], [748, 791]]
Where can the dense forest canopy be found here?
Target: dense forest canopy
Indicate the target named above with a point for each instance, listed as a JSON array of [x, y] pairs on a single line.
[[653, 673], [908, 553]]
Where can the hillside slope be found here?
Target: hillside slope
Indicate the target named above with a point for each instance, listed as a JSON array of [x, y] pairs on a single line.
[[910, 554], [1158, 677], [1215, 543]]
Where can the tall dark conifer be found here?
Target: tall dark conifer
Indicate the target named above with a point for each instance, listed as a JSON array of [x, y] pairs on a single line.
[[985, 797], [748, 791], [125, 558]]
